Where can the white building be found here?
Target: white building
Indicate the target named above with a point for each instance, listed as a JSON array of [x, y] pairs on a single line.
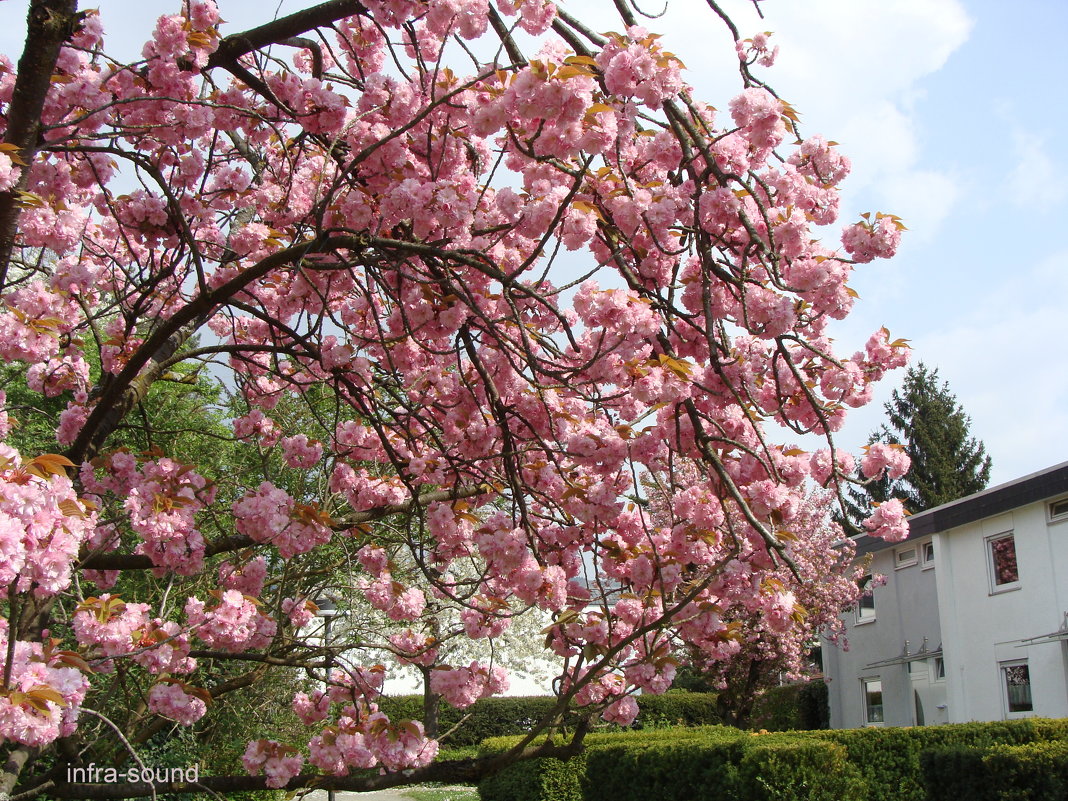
[[972, 622]]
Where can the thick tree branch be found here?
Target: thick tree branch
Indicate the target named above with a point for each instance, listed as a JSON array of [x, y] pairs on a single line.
[[49, 24], [277, 31]]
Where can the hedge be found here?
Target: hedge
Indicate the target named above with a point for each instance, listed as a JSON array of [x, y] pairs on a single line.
[[1031, 772], [889, 758], [875, 764], [501, 717], [727, 764]]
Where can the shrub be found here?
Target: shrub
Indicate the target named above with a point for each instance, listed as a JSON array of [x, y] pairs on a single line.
[[792, 770], [960, 761], [682, 765], [889, 758], [677, 709], [501, 717], [1031, 772]]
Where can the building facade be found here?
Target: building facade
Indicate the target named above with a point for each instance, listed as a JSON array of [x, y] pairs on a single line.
[[970, 621]]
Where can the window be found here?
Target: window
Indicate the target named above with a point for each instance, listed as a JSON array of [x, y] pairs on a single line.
[[905, 557], [939, 668], [927, 554], [1004, 572], [866, 602], [1017, 686], [1058, 510], [873, 701]]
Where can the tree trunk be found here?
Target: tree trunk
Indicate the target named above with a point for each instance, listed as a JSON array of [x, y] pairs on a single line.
[[430, 705]]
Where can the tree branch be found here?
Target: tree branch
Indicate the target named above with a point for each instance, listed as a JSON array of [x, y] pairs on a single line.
[[49, 24], [277, 31]]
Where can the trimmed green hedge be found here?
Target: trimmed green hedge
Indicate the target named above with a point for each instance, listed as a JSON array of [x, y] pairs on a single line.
[[501, 717], [682, 765], [875, 764], [889, 758], [1032, 772]]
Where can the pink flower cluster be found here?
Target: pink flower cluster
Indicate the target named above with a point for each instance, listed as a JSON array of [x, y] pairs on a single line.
[[257, 425], [170, 699], [247, 578], [300, 452], [300, 611], [110, 625], [44, 693], [369, 741], [636, 66], [162, 498], [311, 708], [880, 456], [414, 649], [759, 114], [235, 623], [462, 686], [873, 239], [394, 598], [888, 521], [756, 50], [271, 515], [43, 524], [279, 763]]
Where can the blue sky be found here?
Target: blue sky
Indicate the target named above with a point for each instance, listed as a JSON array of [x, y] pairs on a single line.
[[953, 113]]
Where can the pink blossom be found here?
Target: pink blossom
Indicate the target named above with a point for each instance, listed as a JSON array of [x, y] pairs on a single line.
[[171, 700], [621, 712], [311, 708], [880, 456], [279, 763], [888, 522], [462, 686], [299, 611], [869, 240], [300, 452]]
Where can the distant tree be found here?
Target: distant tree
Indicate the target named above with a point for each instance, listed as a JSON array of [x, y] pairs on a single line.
[[929, 424]]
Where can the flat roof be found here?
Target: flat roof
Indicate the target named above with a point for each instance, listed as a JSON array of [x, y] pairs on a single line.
[[1003, 498]]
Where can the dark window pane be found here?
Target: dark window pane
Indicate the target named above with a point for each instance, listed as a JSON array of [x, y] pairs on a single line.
[[1018, 686], [873, 701], [866, 604]]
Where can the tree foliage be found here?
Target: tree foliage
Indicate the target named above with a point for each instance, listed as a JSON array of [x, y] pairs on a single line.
[[468, 273], [930, 426]]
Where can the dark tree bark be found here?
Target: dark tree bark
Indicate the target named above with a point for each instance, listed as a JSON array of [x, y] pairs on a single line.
[[49, 24]]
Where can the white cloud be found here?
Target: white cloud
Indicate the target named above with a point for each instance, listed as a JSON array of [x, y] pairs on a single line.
[[854, 69], [1003, 359], [1036, 180]]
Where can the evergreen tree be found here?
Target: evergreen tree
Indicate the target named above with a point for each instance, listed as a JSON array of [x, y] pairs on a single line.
[[947, 461]]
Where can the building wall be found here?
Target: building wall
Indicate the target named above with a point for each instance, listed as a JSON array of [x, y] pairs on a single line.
[[984, 626], [906, 609]]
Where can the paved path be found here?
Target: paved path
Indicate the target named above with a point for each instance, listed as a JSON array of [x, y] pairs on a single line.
[[377, 795], [396, 794]]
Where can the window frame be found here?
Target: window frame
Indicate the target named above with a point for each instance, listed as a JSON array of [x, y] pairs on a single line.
[[868, 706], [859, 611], [925, 563], [1054, 516], [1003, 668], [991, 565], [938, 669], [900, 564]]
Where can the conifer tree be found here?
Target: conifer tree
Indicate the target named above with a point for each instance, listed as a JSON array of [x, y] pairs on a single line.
[[925, 418]]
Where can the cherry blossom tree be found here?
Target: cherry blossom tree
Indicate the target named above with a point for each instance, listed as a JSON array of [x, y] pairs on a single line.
[[772, 632], [505, 264]]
